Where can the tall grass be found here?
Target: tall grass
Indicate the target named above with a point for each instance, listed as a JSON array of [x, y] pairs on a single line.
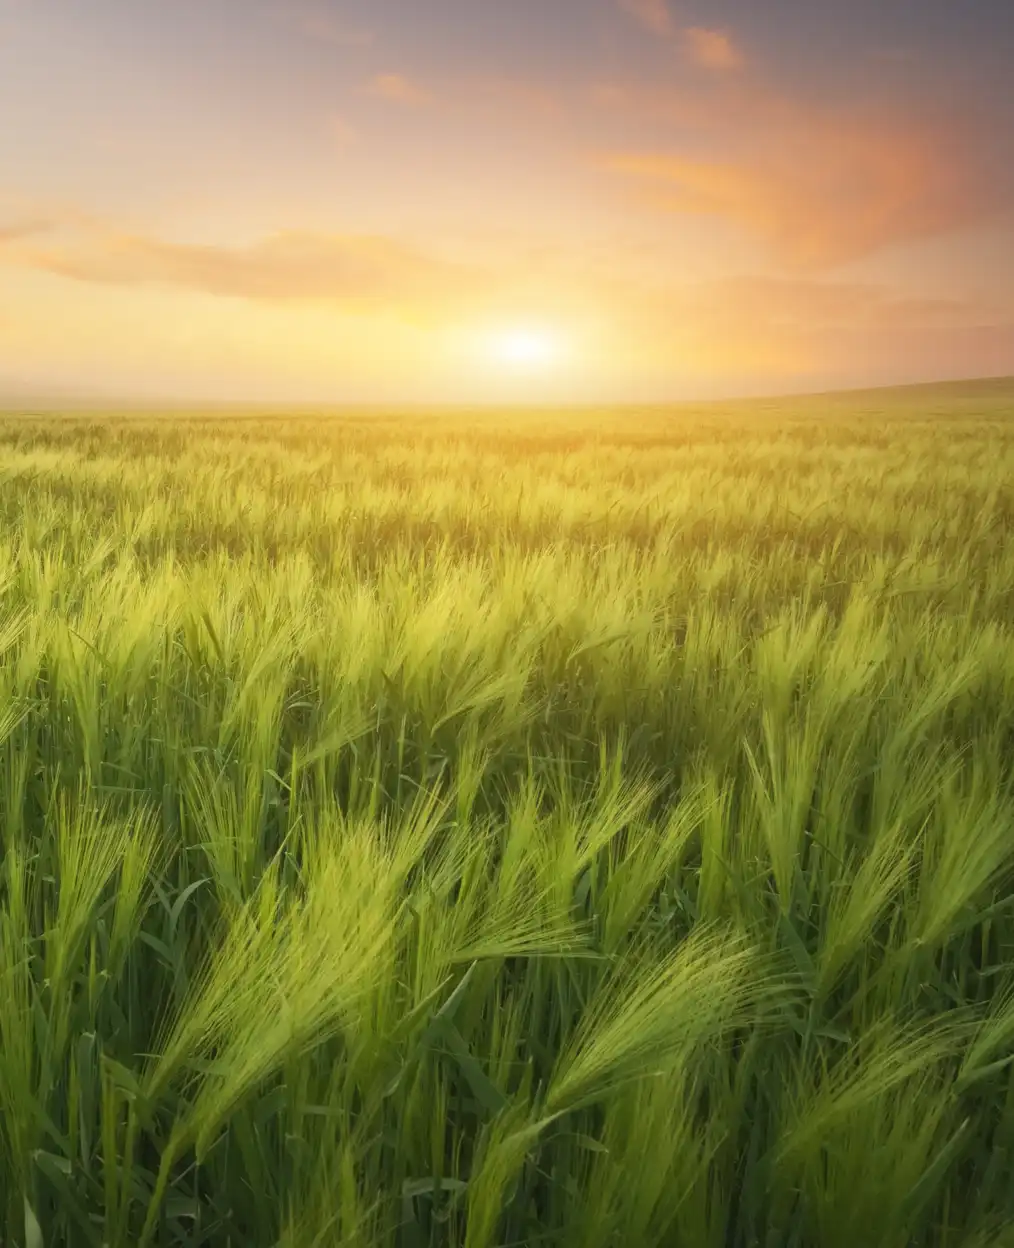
[[448, 831]]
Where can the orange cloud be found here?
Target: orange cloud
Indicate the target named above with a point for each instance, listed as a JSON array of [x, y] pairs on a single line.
[[397, 88], [713, 49], [15, 231], [284, 267], [819, 188], [653, 15]]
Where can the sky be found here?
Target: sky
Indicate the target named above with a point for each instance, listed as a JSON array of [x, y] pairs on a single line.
[[480, 201]]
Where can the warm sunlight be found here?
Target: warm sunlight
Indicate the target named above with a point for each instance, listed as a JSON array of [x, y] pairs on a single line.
[[501, 210], [511, 455], [526, 348]]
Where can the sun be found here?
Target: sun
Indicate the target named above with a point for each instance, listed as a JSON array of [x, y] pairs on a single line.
[[525, 348]]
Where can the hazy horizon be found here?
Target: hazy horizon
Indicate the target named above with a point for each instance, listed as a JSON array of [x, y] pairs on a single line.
[[70, 401]]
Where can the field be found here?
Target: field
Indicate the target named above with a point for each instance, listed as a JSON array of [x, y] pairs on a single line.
[[501, 829]]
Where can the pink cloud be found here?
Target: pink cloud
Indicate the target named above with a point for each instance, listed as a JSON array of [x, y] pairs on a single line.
[[713, 49], [653, 15]]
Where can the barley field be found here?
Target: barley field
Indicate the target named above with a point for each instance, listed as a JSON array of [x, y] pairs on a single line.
[[497, 829]]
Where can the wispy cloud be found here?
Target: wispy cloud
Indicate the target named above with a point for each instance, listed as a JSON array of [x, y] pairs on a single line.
[[653, 15], [713, 49], [287, 266], [398, 89], [793, 304], [16, 231], [323, 25], [795, 329], [820, 187], [838, 330], [710, 48]]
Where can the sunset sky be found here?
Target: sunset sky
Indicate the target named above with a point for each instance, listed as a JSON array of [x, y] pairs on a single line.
[[471, 200]]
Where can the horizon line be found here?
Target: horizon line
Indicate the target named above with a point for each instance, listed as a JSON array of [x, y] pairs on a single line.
[[84, 401]]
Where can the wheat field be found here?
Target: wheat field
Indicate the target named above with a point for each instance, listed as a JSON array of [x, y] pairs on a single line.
[[481, 829]]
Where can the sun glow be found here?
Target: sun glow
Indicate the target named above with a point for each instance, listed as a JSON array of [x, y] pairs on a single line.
[[525, 349]]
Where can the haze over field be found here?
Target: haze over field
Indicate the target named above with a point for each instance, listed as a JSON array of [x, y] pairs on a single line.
[[577, 200]]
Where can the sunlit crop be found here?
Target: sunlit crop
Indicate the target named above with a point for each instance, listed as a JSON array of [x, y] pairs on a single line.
[[522, 829]]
